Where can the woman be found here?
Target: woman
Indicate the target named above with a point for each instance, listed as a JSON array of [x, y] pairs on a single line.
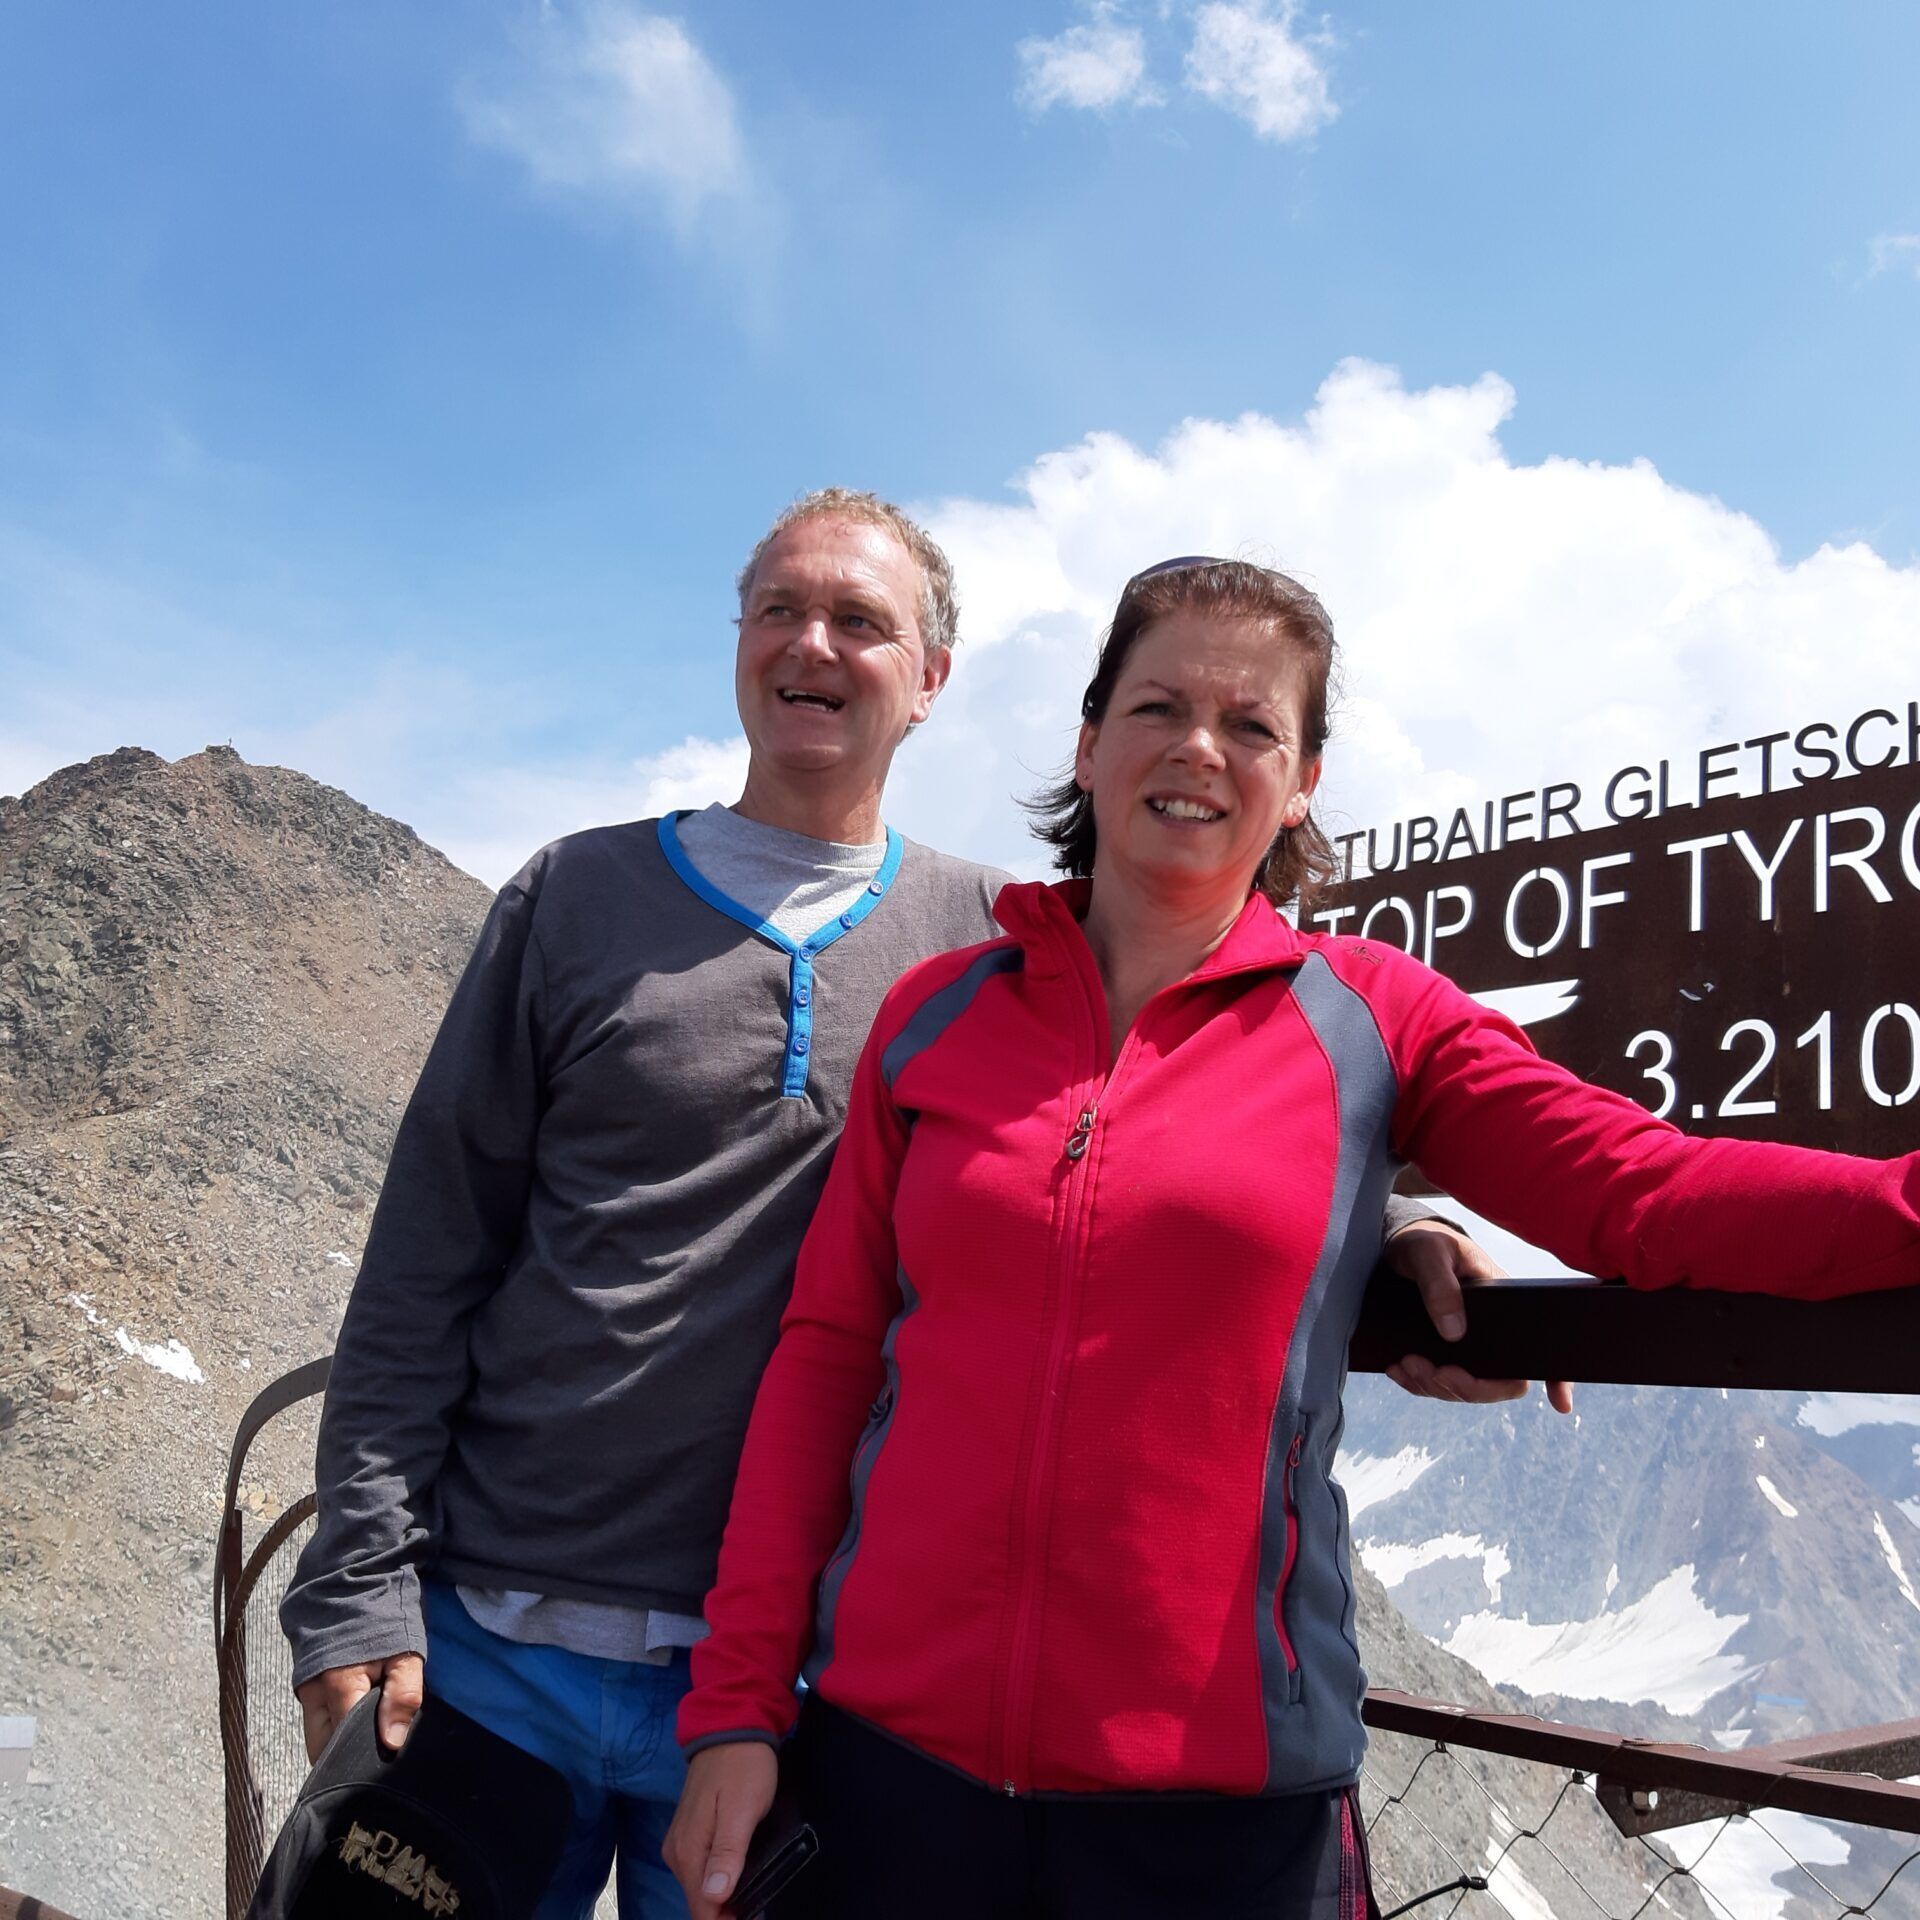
[[1078, 1620]]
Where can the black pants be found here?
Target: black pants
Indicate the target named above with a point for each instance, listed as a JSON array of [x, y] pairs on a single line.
[[902, 1838]]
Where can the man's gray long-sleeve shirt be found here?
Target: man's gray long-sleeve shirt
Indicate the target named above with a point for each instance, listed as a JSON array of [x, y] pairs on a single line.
[[575, 1274]]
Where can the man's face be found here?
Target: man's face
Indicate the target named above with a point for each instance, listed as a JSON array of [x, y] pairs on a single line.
[[831, 669]]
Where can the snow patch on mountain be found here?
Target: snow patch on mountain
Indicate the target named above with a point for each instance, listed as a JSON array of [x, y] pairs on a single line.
[[1744, 1863], [1894, 1561], [1775, 1498], [1514, 1891], [1668, 1646], [1390, 1561], [169, 1356], [1831, 1413], [1368, 1479]]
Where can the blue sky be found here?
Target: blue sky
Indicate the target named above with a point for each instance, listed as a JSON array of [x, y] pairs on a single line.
[[394, 390]]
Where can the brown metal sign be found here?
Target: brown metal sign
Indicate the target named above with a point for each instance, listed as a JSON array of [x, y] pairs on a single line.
[[1743, 965]]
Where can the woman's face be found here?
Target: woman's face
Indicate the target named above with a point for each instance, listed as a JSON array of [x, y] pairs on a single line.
[[1198, 761]]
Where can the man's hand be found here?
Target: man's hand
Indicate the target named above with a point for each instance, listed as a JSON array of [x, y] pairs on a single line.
[[729, 1789], [329, 1697], [1439, 1259]]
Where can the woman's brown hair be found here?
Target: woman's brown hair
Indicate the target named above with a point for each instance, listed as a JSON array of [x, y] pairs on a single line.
[[1300, 857]]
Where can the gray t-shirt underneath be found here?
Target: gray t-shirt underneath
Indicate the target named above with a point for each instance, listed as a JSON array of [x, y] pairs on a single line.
[[797, 885]]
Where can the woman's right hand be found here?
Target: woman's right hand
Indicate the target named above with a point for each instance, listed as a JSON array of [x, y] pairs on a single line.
[[729, 1789]]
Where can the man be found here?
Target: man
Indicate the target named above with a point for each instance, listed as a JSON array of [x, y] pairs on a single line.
[[576, 1271]]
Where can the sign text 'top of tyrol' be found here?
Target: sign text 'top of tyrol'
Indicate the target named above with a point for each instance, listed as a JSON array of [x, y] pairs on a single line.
[[1740, 964]]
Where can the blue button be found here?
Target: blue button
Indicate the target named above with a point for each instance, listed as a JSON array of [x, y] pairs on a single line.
[[800, 1043], [846, 919], [876, 887], [801, 998]]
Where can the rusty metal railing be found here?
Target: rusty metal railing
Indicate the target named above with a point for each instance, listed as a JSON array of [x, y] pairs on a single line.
[[238, 1573], [1606, 1334], [1649, 1785], [23, 1906]]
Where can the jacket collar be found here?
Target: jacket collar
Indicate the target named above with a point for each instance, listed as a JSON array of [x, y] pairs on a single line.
[[1045, 918]]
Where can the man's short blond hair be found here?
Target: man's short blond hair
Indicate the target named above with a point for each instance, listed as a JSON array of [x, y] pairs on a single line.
[[939, 611]]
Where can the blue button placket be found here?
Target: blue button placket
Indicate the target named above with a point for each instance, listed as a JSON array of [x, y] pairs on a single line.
[[801, 954]]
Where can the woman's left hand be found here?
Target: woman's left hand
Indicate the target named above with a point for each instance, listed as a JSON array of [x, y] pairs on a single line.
[[1440, 1260]]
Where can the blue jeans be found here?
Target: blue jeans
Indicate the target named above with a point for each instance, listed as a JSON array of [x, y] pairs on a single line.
[[606, 1724]]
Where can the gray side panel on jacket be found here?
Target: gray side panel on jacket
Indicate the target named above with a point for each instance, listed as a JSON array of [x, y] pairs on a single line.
[[879, 1424], [1314, 1735], [940, 1010]]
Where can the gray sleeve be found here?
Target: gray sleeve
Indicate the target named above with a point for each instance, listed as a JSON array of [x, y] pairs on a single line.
[[1402, 1212], [451, 1214]]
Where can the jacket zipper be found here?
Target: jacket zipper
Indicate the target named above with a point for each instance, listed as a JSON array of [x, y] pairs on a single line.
[[1293, 1550], [1016, 1708], [1016, 1712]]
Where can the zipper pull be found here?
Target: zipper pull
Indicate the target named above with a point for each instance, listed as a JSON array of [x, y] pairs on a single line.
[[1082, 1133], [1294, 1451]]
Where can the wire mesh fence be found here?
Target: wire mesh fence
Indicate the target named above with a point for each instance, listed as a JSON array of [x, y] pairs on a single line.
[[276, 1748], [1544, 1849]]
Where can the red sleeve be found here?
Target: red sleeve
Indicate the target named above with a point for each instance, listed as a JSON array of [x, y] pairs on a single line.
[[1598, 1181], [792, 1500]]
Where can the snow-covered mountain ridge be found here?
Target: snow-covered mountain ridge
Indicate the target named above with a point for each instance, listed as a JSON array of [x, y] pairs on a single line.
[[1750, 1563], [1731, 1569]]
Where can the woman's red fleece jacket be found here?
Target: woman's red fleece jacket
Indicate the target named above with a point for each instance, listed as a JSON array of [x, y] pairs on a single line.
[[1038, 1480]]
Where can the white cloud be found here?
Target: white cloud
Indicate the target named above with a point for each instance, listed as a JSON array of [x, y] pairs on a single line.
[[608, 100], [1502, 623], [1895, 252], [1098, 66], [1247, 57], [492, 821]]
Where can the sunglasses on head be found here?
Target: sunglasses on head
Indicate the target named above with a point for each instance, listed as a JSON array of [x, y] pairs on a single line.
[[1185, 562]]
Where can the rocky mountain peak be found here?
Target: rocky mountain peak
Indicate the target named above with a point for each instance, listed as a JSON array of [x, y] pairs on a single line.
[[149, 909]]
